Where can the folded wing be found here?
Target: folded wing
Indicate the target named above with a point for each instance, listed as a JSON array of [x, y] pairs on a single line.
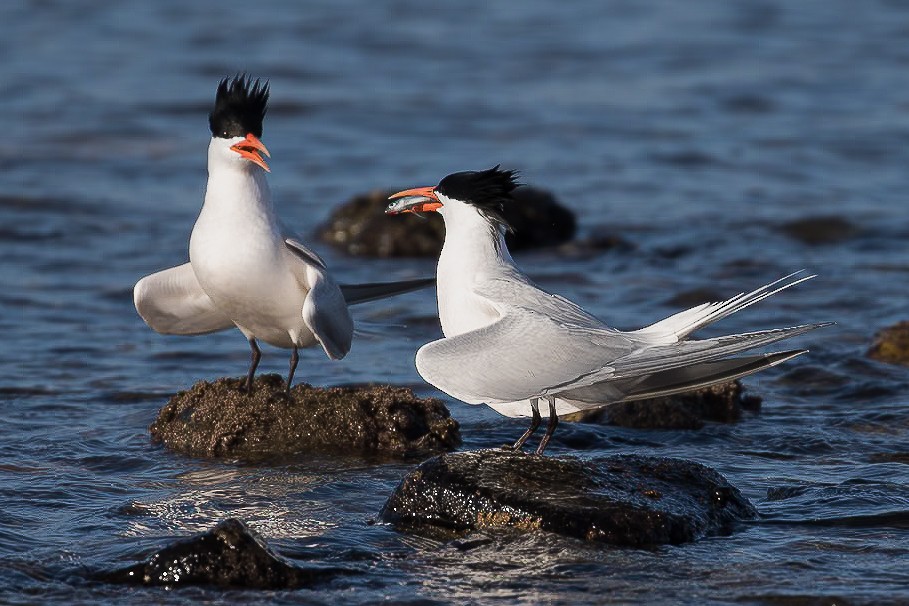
[[520, 356]]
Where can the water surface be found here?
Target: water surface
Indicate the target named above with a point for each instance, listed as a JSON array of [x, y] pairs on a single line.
[[695, 130]]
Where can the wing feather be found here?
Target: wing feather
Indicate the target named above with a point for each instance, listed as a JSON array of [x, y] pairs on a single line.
[[324, 309], [520, 356], [171, 302]]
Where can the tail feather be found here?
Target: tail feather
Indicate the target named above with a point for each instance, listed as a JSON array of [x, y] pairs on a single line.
[[678, 326], [678, 380], [362, 293], [687, 353]]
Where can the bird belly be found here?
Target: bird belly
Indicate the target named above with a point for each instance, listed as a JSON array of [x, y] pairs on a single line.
[[253, 286]]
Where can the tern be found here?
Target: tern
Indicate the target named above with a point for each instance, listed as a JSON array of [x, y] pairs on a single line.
[[509, 344], [246, 270]]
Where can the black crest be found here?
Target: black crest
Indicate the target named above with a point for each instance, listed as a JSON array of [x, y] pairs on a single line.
[[240, 107], [489, 190]]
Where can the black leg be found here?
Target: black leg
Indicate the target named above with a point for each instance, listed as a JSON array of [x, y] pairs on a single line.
[[253, 364], [294, 358], [534, 423], [550, 427]]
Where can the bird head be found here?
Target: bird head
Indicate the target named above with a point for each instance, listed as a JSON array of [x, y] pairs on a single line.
[[236, 120], [487, 191]]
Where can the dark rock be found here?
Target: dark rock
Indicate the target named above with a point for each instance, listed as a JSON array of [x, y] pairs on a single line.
[[719, 403], [360, 226], [230, 555], [218, 420], [891, 345], [816, 231], [622, 500]]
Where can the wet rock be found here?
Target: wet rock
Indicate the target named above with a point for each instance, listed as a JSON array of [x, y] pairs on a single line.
[[718, 403], [218, 420], [891, 345], [229, 555], [622, 500], [360, 227], [816, 231]]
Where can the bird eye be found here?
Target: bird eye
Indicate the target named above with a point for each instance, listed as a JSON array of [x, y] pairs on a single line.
[[225, 135]]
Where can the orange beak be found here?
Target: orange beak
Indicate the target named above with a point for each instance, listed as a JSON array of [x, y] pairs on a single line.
[[421, 199], [249, 148]]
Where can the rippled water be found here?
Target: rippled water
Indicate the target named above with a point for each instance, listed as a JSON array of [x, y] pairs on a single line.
[[695, 130]]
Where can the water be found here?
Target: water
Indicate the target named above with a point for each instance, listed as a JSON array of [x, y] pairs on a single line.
[[694, 129]]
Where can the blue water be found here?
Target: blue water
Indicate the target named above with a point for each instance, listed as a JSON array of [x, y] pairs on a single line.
[[694, 130]]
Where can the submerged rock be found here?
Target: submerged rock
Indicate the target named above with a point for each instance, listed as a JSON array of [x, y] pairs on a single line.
[[360, 227], [718, 403], [229, 555], [891, 345], [817, 231], [622, 500], [218, 420]]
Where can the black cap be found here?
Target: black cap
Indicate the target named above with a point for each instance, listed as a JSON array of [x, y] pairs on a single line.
[[240, 107], [488, 190]]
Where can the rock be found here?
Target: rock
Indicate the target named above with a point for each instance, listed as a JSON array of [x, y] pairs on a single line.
[[891, 345], [816, 231], [230, 555], [622, 499], [360, 226], [218, 420], [719, 403]]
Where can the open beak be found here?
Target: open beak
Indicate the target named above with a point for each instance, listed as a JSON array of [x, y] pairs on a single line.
[[249, 148], [421, 199]]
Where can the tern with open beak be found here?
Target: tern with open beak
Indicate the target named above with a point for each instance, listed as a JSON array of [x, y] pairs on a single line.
[[246, 270]]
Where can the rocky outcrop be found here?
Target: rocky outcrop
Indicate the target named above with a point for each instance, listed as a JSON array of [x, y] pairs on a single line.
[[622, 500], [219, 420], [230, 555], [891, 345], [722, 403], [360, 227]]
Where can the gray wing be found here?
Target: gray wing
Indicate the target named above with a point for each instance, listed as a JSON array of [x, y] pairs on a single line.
[[544, 344], [649, 360], [517, 291], [358, 293], [522, 355], [172, 302], [678, 380], [324, 310]]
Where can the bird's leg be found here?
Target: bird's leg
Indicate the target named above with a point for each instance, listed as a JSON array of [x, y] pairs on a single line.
[[534, 423], [256, 356], [294, 358], [550, 427]]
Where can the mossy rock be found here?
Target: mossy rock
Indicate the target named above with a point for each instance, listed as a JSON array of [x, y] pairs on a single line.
[[891, 345], [220, 420]]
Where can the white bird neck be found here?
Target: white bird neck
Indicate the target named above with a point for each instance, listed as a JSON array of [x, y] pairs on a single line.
[[236, 187], [474, 250], [472, 242]]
